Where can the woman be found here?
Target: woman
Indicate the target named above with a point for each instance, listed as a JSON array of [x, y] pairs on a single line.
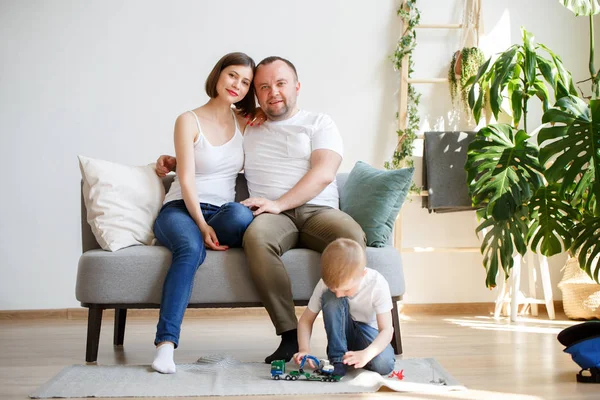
[[198, 211]]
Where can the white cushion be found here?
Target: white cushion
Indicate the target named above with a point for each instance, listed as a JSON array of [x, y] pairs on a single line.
[[122, 202]]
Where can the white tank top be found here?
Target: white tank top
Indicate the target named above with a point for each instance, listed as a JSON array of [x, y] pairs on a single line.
[[217, 168]]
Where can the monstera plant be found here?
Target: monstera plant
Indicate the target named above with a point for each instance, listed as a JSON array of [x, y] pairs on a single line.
[[571, 148], [543, 196]]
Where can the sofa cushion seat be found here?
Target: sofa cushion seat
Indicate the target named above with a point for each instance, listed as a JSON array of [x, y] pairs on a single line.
[[135, 275]]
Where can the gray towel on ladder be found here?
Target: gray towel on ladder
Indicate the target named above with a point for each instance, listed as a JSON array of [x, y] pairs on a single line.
[[444, 175]]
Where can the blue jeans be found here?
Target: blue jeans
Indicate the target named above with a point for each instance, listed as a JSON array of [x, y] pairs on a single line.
[[344, 334], [175, 229]]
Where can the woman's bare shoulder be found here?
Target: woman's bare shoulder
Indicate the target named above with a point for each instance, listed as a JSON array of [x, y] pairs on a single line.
[[186, 125], [186, 116]]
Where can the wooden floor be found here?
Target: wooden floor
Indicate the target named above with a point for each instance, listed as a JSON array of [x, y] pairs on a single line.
[[494, 359]]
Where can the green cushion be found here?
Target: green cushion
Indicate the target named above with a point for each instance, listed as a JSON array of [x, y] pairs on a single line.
[[373, 198]]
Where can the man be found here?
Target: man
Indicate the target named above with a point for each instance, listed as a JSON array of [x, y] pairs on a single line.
[[290, 165]]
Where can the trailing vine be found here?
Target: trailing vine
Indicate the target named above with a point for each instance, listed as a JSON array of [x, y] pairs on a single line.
[[410, 16], [453, 82]]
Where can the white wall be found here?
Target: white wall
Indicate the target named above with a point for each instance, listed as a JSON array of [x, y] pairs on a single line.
[[107, 79]]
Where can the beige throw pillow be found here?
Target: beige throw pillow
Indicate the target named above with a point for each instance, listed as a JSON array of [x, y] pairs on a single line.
[[122, 202]]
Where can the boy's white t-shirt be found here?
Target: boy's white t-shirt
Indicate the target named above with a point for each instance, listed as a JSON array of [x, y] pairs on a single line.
[[277, 155], [373, 297]]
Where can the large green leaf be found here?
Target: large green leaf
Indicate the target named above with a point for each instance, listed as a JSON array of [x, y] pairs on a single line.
[[541, 91], [478, 88], [504, 70], [500, 241], [502, 170], [548, 70], [572, 147], [530, 58], [552, 220], [587, 245], [564, 84], [581, 7], [515, 94]]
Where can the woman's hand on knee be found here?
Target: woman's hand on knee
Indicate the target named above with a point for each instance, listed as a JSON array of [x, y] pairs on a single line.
[[210, 238]]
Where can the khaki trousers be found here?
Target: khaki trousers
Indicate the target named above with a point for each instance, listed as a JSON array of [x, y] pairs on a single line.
[[270, 235]]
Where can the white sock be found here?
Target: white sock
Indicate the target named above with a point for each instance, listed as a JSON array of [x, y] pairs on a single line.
[[163, 362]]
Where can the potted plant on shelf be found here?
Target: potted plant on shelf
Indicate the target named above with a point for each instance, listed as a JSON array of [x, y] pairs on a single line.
[[546, 197]]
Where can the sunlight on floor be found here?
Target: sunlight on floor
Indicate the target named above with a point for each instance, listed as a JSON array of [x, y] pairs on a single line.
[[537, 320], [524, 324], [465, 395], [483, 394]]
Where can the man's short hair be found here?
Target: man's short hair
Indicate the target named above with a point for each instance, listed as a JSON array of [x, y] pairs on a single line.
[[272, 59], [247, 104], [342, 260]]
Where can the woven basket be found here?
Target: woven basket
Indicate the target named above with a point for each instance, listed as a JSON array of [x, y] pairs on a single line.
[[581, 295]]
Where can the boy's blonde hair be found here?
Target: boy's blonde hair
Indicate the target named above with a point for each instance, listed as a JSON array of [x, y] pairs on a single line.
[[341, 261]]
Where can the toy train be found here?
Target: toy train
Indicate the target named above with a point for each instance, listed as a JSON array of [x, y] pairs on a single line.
[[323, 372]]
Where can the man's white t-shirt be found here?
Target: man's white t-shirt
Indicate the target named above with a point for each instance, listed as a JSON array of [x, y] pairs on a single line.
[[277, 155], [373, 297]]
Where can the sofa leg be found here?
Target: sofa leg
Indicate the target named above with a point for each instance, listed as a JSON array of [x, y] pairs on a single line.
[[93, 334], [120, 319], [397, 338]]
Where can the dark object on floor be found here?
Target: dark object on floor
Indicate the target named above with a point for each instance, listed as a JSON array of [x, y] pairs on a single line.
[[583, 344], [287, 348]]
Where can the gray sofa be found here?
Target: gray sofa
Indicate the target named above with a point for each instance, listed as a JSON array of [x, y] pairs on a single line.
[[132, 278]]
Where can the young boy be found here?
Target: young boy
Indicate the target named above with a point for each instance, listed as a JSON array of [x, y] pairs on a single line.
[[356, 304]]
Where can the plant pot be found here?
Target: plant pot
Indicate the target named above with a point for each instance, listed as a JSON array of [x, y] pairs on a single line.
[[458, 63], [581, 295]]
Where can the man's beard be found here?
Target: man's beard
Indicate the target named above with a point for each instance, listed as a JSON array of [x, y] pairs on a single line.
[[279, 114]]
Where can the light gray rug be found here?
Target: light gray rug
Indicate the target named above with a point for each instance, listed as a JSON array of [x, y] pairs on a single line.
[[221, 375]]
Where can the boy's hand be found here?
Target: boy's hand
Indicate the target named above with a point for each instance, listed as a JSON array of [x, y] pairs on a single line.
[[300, 355], [356, 358]]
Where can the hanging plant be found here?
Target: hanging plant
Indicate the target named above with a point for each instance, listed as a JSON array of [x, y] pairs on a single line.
[[410, 16], [465, 64]]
